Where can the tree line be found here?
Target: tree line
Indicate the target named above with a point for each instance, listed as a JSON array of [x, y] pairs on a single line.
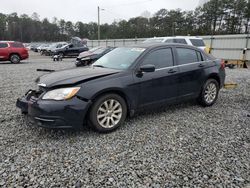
[[214, 17]]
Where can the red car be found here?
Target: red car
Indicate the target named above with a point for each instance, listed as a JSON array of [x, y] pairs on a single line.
[[13, 51]]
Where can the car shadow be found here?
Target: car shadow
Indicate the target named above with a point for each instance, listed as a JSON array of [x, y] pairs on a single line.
[[165, 108]]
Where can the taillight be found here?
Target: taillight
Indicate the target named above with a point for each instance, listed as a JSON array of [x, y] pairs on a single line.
[[222, 64]]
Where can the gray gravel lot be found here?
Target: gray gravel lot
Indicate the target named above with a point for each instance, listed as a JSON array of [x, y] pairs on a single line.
[[182, 145]]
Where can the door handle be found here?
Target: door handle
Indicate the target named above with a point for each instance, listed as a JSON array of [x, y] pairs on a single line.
[[172, 71], [201, 65]]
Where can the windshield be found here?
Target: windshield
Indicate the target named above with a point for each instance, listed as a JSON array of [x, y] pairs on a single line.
[[64, 46], [53, 45], [119, 58]]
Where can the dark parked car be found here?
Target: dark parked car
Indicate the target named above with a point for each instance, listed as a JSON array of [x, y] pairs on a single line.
[[13, 51], [70, 50], [89, 57], [121, 82]]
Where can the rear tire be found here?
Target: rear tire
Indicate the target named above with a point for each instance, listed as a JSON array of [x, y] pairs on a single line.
[[209, 93], [14, 58], [107, 113]]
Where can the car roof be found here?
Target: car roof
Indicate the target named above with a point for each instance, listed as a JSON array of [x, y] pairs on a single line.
[[7, 41]]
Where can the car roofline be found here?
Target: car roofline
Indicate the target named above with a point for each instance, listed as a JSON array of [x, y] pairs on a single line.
[[160, 44]]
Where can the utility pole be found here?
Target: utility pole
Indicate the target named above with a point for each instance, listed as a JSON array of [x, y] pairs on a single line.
[[99, 34], [173, 29], [99, 29]]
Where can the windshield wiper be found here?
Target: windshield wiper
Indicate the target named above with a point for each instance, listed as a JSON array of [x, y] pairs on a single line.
[[99, 66]]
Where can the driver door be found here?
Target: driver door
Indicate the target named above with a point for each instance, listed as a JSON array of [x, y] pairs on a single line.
[[160, 86]]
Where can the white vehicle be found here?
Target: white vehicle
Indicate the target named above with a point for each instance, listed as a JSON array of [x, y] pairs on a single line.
[[42, 47], [193, 41]]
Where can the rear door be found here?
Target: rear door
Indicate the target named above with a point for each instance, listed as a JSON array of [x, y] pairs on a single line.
[[191, 66], [4, 51], [159, 86]]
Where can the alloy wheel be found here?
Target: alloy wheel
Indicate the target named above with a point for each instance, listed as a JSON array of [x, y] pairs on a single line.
[[15, 59], [109, 113], [210, 93]]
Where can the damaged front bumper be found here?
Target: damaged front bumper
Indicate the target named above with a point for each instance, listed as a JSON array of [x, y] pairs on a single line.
[[54, 114]]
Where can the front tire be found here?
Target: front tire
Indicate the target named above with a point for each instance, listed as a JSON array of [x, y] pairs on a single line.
[[108, 113], [15, 58], [209, 93]]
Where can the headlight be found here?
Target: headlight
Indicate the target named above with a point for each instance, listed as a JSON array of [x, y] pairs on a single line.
[[85, 58], [61, 94]]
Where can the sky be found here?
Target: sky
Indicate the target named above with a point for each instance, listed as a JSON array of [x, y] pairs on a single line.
[[86, 11]]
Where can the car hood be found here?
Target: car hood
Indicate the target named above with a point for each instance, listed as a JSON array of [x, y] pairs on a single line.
[[85, 54], [88, 57], [74, 76]]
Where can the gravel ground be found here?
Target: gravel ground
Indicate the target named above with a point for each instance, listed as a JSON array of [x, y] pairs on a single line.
[[182, 145]]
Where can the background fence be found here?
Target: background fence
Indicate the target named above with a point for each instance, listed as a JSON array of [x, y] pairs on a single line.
[[229, 47]]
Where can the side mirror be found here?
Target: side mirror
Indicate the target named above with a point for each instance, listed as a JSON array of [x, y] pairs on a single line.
[[147, 68]]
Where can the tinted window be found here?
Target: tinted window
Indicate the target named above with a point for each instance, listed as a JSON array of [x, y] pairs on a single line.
[[169, 41], [180, 41], [186, 55], [17, 45], [160, 58], [3, 45], [197, 42]]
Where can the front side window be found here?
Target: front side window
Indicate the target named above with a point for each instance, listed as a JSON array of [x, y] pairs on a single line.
[[3, 45], [186, 56], [160, 58]]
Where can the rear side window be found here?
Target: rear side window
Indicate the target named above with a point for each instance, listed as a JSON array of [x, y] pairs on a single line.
[[197, 42], [186, 56], [3, 45], [180, 41], [160, 58], [17, 45]]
